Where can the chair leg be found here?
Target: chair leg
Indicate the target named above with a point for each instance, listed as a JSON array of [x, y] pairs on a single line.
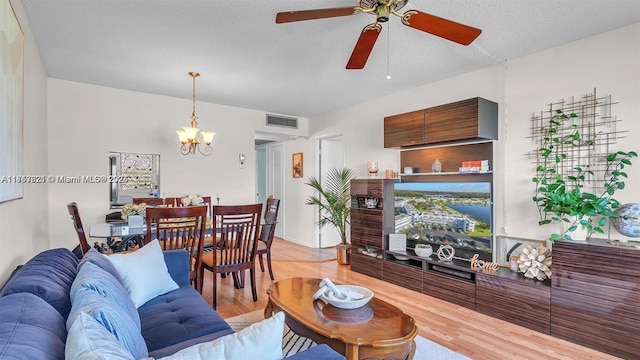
[[260, 260], [252, 273], [269, 264], [238, 279], [215, 280], [199, 279]]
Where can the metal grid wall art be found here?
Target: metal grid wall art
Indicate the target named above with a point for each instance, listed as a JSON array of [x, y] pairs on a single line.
[[595, 122]]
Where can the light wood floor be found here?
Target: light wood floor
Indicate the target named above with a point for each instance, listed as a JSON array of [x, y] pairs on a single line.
[[470, 333]]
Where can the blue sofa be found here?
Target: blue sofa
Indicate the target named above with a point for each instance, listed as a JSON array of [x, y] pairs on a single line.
[[36, 303]]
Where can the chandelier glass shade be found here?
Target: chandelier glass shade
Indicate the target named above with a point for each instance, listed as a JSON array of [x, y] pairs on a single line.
[[191, 138]]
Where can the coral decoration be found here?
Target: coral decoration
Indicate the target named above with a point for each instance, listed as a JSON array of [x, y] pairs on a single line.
[[535, 263]]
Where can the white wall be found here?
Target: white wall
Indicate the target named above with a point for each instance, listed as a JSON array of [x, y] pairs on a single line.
[[86, 122], [24, 223], [608, 62]]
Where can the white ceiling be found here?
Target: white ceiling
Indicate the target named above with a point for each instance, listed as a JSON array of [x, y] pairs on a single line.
[[247, 60]]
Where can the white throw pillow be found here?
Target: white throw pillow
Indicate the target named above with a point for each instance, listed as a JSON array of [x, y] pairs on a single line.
[[144, 273], [262, 340]]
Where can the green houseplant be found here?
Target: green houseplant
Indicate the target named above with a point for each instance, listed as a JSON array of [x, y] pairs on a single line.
[[561, 195], [333, 198]]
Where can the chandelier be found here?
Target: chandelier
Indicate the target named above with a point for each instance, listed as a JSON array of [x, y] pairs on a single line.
[[190, 136]]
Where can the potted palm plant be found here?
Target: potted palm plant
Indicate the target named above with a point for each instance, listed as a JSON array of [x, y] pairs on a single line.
[[334, 201], [561, 195]]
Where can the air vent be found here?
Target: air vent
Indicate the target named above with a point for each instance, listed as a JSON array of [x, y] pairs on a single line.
[[276, 120]]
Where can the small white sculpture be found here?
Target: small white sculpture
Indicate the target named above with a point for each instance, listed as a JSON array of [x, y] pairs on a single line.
[[535, 263]]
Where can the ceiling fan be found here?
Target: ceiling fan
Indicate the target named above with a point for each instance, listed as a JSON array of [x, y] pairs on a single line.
[[447, 29]]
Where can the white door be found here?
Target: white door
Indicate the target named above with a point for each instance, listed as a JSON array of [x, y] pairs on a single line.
[[329, 154], [275, 182]]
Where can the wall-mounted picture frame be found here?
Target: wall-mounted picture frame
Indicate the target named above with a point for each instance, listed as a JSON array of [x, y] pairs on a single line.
[[11, 103], [296, 165]]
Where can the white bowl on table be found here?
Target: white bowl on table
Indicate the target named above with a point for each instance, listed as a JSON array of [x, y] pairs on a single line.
[[367, 294], [423, 250]]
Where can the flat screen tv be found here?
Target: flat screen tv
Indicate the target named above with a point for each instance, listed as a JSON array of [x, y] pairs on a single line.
[[454, 213]]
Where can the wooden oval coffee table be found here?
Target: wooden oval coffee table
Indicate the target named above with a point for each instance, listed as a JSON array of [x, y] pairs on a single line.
[[377, 330]]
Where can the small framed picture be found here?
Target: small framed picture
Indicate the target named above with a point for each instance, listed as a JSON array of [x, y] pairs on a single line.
[[296, 165]]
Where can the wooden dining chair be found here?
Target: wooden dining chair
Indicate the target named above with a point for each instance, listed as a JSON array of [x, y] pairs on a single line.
[[236, 229], [77, 224], [267, 233], [208, 239], [179, 228]]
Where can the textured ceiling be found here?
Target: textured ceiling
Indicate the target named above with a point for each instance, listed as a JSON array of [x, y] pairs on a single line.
[[248, 61]]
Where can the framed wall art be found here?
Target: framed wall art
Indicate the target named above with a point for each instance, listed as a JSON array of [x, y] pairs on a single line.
[[11, 103], [296, 165]]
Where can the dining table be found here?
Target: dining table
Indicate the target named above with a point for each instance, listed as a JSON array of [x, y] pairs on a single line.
[[122, 237]]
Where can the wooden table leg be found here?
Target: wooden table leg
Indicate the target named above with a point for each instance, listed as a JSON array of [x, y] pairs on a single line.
[[268, 310], [351, 352]]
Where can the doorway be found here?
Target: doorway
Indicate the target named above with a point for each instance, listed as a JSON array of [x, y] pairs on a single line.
[[330, 154], [270, 179]]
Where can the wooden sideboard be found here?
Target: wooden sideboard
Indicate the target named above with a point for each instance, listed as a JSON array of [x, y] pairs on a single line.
[[595, 296], [592, 298]]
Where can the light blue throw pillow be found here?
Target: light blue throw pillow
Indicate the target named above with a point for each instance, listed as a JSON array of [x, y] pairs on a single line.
[[144, 273], [88, 340], [93, 256], [91, 277], [113, 318]]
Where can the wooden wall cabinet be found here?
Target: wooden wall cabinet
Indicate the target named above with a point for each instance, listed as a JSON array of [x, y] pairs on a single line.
[[466, 120], [471, 119], [595, 292], [406, 129]]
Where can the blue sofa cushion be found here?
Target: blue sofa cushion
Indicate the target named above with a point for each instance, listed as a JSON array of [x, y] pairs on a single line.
[[115, 319], [48, 275], [93, 278], [178, 316], [30, 328], [93, 256], [322, 351], [88, 339]]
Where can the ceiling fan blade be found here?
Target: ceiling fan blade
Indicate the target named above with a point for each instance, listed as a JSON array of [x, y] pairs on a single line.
[[291, 16], [364, 46], [447, 29]]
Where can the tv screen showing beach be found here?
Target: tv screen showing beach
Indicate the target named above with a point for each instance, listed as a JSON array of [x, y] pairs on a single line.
[[454, 213]]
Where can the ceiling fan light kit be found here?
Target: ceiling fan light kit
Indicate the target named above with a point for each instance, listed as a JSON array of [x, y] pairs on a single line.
[[435, 25]]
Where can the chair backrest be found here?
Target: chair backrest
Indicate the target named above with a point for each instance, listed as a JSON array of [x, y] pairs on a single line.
[[77, 224], [270, 220], [178, 228], [237, 227]]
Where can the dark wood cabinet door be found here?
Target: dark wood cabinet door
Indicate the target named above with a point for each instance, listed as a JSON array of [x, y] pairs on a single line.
[[454, 121], [595, 291], [404, 130], [453, 290], [367, 265], [518, 300], [408, 277]]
